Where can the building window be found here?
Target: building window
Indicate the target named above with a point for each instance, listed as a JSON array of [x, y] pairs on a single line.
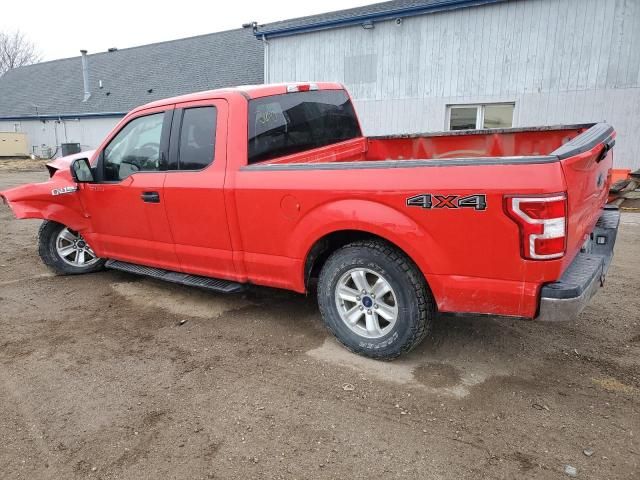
[[470, 117]]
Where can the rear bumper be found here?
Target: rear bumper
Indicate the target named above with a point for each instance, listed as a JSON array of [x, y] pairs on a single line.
[[567, 297]]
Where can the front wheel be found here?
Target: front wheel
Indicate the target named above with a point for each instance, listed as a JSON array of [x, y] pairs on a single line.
[[375, 301], [65, 251]]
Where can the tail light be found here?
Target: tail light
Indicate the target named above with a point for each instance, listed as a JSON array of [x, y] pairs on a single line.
[[543, 224]]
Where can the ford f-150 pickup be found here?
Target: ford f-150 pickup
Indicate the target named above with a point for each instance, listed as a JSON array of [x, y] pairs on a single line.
[[275, 185]]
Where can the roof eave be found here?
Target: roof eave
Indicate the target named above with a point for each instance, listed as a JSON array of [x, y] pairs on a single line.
[[441, 6], [62, 116]]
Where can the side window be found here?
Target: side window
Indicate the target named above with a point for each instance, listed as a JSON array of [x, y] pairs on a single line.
[[197, 138], [136, 148]]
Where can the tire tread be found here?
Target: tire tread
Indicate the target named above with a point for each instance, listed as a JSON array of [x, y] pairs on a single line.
[[424, 298], [46, 236]]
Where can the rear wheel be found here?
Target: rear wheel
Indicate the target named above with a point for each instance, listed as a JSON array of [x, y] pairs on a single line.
[[65, 251], [374, 299]]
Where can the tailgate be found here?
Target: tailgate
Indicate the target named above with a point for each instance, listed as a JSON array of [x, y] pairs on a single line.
[[586, 162]]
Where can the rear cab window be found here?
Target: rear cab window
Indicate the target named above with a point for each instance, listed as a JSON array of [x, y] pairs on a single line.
[[290, 123]]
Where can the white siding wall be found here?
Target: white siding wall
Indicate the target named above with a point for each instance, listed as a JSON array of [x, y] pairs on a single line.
[[561, 61], [88, 132]]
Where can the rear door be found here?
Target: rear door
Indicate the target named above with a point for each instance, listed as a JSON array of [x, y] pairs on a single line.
[[194, 188]]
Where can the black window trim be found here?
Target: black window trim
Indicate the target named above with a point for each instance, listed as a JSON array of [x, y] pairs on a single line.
[[164, 147], [174, 140]]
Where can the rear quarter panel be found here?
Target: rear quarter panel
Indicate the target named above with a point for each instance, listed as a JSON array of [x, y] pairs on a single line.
[[470, 258]]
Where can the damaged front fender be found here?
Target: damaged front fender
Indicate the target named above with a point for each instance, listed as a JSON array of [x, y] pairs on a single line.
[[57, 199]]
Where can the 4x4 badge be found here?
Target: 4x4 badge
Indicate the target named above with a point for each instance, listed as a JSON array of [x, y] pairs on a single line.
[[433, 201]]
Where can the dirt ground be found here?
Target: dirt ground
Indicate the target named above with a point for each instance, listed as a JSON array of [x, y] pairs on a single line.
[[21, 164], [99, 379]]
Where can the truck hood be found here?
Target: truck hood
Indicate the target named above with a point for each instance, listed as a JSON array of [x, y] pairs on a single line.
[[63, 163]]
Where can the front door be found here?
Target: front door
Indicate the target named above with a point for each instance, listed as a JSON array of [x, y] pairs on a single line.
[[194, 188], [126, 203]]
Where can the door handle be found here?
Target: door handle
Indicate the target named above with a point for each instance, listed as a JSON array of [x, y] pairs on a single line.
[[605, 150], [150, 197]]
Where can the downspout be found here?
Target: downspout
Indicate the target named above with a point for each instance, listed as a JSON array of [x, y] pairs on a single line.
[[266, 59], [85, 76]]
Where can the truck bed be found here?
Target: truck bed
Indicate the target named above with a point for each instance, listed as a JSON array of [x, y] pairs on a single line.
[[571, 160], [513, 145]]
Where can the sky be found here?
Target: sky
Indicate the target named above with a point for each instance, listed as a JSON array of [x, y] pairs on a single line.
[[60, 29]]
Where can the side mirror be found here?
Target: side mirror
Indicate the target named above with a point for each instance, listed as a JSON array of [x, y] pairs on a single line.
[[81, 170]]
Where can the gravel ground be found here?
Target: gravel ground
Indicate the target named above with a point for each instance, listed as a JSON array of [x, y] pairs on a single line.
[[114, 376]]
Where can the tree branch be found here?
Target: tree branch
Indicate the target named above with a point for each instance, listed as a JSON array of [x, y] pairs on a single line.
[[16, 50]]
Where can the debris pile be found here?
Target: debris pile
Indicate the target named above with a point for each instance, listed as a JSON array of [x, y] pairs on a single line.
[[625, 193]]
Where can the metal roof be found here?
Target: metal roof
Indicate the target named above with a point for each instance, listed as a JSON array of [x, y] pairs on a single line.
[[355, 16], [54, 89]]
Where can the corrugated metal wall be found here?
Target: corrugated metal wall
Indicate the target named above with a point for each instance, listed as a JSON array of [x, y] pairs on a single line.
[[560, 61], [88, 132]]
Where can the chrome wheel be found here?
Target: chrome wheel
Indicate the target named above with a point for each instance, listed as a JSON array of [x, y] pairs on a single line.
[[74, 250], [366, 303]]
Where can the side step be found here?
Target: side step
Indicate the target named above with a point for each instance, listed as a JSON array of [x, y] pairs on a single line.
[[222, 286]]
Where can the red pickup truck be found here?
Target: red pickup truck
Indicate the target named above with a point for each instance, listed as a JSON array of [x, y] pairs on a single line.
[[276, 185]]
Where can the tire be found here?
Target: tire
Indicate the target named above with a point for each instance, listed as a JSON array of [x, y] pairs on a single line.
[[50, 247], [409, 297]]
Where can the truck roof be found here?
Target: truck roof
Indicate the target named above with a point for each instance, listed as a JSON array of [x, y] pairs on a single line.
[[246, 91]]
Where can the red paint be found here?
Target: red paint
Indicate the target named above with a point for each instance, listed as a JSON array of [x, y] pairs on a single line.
[[259, 226]]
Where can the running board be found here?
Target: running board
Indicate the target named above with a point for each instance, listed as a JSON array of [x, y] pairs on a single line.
[[217, 285]]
